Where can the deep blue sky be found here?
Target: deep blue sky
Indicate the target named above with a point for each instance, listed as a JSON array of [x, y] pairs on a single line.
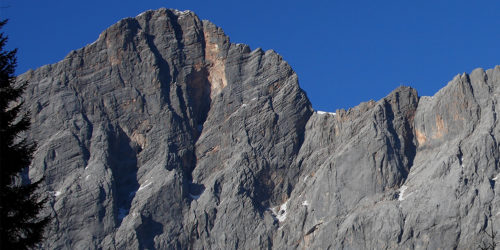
[[344, 52]]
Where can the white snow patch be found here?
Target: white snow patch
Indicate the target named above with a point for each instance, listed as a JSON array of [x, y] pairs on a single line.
[[145, 185], [280, 212], [402, 190], [142, 14], [305, 203], [305, 178], [92, 43], [253, 99], [87, 177], [243, 105], [57, 193], [325, 113], [496, 177], [180, 13], [462, 161]]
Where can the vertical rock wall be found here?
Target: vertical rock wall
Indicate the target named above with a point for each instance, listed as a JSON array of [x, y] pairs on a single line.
[[164, 134]]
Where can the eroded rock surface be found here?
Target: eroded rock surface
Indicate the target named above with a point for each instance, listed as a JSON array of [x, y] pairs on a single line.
[[164, 134]]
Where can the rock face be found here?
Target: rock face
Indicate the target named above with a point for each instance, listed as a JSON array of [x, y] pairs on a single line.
[[164, 135]]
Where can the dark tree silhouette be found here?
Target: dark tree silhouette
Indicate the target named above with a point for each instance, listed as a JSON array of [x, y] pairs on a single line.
[[20, 204]]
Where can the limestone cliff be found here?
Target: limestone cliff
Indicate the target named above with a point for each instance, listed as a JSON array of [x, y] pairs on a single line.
[[164, 134]]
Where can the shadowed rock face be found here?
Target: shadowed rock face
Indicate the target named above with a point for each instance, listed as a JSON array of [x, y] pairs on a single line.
[[163, 134]]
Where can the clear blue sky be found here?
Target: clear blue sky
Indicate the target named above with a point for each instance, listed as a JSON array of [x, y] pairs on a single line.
[[344, 52]]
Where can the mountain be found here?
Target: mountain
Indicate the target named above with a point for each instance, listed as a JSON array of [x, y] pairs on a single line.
[[164, 134]]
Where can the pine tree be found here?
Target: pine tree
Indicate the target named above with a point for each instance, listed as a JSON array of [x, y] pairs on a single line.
[[20, 204]]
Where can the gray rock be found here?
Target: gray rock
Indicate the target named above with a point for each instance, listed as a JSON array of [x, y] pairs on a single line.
[[163, 134]]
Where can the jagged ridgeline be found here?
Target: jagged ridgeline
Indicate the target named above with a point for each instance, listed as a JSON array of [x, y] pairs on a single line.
[[164, 134]]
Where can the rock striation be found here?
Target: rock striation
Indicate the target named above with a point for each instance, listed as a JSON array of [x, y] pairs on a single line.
[[163, 134]]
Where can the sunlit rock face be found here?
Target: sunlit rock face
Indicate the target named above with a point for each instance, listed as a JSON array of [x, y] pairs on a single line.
[[164, 134]]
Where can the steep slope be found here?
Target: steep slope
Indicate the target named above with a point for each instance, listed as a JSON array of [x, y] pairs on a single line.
[[158, 132], [163, 134], [394, 174]]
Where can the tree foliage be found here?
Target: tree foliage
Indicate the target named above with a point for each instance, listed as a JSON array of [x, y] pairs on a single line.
[[20, 204]]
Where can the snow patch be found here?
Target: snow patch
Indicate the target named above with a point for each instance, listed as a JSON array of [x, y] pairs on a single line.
[[183, 12], [280, 211], [145, 185], [305, 203], [56, 193], [87, 177], [92, 43], [243, 105], [325, 113], [142, 14], [496, 177], [402, 190]]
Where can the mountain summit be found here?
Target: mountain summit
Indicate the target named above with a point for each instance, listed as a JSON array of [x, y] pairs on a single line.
[[163, 134]]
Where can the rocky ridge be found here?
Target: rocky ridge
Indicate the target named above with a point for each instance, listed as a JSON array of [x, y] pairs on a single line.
[[164, 134]]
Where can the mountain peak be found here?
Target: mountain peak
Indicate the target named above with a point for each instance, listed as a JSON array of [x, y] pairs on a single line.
[[164, 134]]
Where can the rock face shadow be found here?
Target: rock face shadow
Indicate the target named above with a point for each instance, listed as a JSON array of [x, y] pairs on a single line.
[[123, 162], [196, 190], [198, 88], [147, 231]]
